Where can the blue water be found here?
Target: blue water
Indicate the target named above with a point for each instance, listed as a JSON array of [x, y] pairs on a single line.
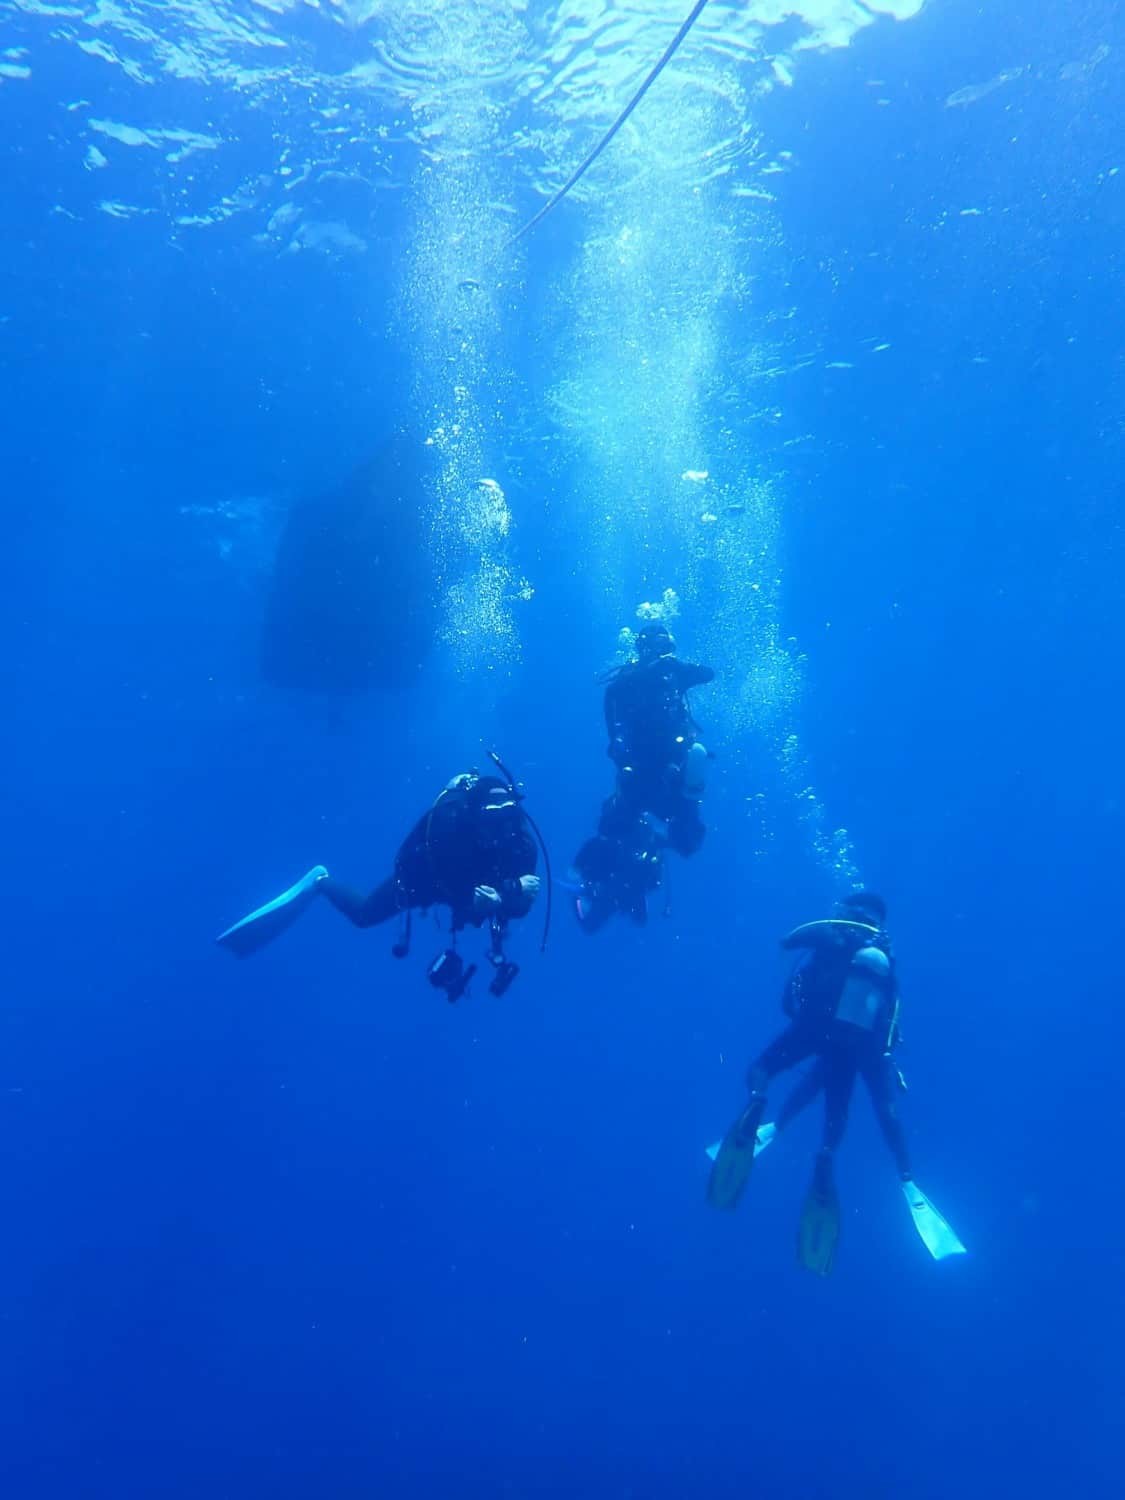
[[298, 1228]]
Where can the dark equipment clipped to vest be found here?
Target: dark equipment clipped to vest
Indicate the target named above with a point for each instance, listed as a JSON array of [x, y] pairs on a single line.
[[449, 974], [506, 971]]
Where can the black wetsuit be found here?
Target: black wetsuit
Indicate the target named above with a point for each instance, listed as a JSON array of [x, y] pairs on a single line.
[[842, 1048], [475, 834], [651, 731]]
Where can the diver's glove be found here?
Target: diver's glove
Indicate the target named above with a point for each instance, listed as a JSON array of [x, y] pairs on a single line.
[[529, 885], [486, 901]]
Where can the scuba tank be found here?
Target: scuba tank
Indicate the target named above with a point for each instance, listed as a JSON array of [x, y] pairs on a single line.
[[844, 975], [863, 995], [693, 781]]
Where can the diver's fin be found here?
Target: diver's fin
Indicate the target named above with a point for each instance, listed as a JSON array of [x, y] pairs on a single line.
[[937, 1236], [766, 1134], [820, 1221], [269, 921], [731, 1164]]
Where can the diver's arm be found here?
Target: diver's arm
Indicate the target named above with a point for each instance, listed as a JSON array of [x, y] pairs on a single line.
[[690, 674], [518, 891], [518, 896]]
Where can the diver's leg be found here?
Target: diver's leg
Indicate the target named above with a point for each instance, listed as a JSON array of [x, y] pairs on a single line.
[[881, 1077], [839, 1082], [632, 851], [685, 828], [619, 815], [602, 869], [820, 1217], [801, 1096], [730, 1171], [788, 1049], [364, 911], [596, 859]]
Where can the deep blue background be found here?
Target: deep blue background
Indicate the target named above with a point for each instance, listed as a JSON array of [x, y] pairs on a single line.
[[297, 1228]]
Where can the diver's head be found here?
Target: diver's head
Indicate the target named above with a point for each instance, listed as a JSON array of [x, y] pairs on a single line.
[[497, 812], [863, 906], [486, 791], [654, 640]]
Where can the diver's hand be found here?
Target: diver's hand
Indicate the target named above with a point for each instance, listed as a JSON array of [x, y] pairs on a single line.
[[529, 885], [486, 901]]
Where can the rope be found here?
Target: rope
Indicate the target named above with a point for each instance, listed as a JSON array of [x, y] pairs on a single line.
[[589, 161]]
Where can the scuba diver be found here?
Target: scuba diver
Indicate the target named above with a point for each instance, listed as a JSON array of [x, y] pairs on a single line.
[[660, 778], [475, 850], [842, 999]]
